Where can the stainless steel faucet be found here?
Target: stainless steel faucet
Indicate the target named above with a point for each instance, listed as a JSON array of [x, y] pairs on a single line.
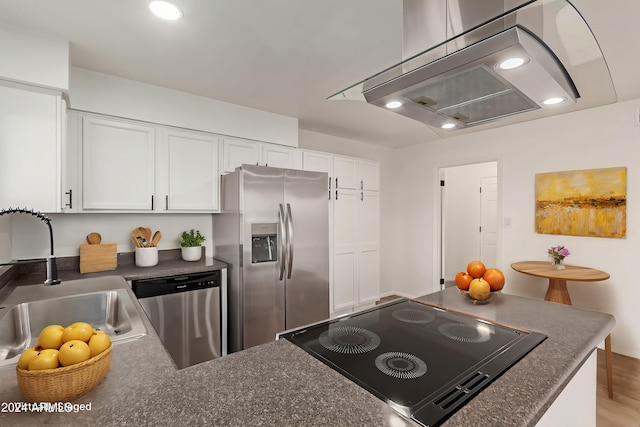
[[52, 267]]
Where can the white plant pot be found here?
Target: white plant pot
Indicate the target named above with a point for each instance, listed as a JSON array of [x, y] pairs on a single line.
[[192, 253]]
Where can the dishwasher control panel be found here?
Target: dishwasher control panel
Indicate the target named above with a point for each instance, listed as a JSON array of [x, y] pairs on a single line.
[[145, 288]]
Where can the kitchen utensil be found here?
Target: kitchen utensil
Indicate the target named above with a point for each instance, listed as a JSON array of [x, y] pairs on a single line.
[[134, 239], [156, 238], [94, 238], [141, 242], [147, 234]]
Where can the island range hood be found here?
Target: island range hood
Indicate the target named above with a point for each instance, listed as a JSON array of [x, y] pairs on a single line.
[[493, 66]]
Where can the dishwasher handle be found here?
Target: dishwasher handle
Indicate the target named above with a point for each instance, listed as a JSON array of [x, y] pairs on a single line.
[[147, 288]]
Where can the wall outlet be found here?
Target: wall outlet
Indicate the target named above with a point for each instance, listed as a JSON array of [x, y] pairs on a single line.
[[507, 222], [636, 119]]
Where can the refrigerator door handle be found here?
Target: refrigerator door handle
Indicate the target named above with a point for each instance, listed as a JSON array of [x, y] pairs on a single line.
[[281, 241], [289, 240]]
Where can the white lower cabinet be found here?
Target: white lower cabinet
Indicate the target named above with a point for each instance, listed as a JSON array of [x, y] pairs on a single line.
[[354, 223], [345, 249], [368, 247], [31, 135]]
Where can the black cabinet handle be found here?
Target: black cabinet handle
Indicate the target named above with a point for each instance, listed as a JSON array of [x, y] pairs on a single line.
[[70, 204], [166, 202], [152, 202]]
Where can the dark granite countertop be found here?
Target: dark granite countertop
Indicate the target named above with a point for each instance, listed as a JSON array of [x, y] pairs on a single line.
[[170, 263], [279, 384]]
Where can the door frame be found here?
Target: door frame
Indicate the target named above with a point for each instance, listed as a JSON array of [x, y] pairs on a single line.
[[438, 220]]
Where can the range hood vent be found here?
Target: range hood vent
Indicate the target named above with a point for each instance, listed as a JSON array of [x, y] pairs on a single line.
[[463, 82], [468, 87]]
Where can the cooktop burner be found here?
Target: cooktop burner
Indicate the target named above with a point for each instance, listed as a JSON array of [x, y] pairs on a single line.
[[401, 365], [427, 362], [349, 340], [411, 315], [465, 333]]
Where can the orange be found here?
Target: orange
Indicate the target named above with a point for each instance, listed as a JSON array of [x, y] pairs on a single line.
[[476, 269], [462, 280], [495, 278]]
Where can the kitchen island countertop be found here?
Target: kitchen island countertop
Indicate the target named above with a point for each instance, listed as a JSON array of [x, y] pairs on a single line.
[[279, 384]]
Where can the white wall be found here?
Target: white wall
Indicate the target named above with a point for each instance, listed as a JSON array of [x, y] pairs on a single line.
[[33, 58], [349, 147], [106, 94], [30, 236], [595, 138]]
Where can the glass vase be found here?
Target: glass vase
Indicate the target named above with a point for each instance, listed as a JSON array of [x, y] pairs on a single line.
[[557, 264]]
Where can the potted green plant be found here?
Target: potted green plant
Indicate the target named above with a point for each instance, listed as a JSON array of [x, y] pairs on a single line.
[[191, 245]]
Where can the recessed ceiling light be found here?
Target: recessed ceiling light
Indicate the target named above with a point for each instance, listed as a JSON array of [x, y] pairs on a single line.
[[552, 101], [393, 104], [448, 126], [165, 10], [511, 63]]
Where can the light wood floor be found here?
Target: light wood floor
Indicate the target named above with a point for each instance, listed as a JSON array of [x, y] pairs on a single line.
[[624, 409]]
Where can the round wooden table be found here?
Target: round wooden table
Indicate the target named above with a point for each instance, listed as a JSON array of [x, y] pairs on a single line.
[[557, 292]]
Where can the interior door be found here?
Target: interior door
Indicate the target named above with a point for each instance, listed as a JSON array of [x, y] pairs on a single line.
[[489, 220], [469, 217]]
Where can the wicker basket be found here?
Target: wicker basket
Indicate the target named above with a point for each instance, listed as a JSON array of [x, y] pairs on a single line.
[[66, 383]]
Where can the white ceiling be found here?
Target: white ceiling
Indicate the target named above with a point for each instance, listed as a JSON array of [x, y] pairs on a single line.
[[282, 56]]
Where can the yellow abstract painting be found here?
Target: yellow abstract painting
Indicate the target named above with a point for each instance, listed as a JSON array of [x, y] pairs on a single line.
[[590, 202]]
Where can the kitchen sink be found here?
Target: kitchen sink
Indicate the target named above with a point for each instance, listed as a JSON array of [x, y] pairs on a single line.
[[113, 312]]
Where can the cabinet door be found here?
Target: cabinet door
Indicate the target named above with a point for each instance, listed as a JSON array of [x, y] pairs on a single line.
[[118, 165], [30, 149], [345, 173], [368, 247], [369, 172], [277, 156], [192, 172], [236, 152], [345, 208], [317, 162]]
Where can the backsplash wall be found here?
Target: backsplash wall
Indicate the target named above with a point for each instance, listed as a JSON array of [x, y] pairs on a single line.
[[30, 237]]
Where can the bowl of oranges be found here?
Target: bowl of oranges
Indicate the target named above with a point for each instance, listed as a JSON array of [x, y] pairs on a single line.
[[65, 363], [478, 283]]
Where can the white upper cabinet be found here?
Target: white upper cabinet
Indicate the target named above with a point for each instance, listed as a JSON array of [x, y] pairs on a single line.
[[237, 152], [118, 165], [192, 178], [369, 172], [130, 166], [345, 172], [277, 156], [315, 161], [31, 134]]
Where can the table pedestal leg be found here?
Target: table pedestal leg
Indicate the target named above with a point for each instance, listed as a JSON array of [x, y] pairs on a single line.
[[558, 292]]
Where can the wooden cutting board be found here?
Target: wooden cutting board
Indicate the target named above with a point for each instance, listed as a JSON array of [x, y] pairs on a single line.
[[103, 257]]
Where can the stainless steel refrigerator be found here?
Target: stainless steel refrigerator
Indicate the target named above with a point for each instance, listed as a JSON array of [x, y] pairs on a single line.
[[273, 233]]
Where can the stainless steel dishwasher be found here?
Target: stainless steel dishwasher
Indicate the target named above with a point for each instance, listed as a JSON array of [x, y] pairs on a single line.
[[189, 314]]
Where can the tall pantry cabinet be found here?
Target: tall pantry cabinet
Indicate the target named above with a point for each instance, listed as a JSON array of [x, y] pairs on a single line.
[[353, 193]]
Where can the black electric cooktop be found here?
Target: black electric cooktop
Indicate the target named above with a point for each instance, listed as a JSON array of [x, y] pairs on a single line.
[[424, 361]]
